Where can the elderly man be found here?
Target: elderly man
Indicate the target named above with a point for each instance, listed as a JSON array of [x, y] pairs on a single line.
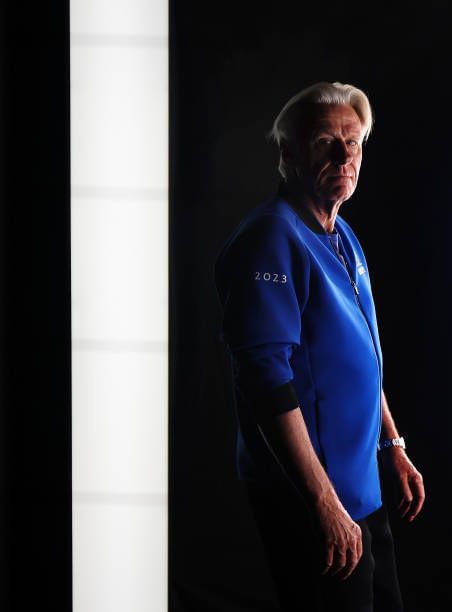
[[300, 324]]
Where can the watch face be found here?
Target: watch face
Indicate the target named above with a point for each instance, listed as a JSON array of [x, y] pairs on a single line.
[[394, 442]]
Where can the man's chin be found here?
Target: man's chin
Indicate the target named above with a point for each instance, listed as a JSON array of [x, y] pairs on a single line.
[[335, 196]]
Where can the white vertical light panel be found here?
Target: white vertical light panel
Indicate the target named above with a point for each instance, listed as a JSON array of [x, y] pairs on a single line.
[[119, 229]]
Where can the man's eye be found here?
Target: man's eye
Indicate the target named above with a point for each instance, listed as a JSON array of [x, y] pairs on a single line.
[[353, 143], [324, 141]]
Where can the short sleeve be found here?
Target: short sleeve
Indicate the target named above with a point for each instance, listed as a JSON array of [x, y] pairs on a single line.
[[262, 279]]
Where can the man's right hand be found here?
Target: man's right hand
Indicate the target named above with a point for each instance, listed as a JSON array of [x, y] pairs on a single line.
[[342, 538], [287, 437]]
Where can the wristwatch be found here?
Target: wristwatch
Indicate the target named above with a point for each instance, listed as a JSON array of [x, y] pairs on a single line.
[[391, 442]]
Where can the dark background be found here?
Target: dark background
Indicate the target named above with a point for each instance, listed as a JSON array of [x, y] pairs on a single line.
[[35, 338], [232, 67]]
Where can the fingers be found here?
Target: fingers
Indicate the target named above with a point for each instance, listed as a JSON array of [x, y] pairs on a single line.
[[342, 558], [413, 496], [418, 497], [354, 555], [340, 561], [407, 497], [329, 559], [359, 548], [349, 568]]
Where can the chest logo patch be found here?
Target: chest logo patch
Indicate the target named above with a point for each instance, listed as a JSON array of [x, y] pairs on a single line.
[[359, 266]]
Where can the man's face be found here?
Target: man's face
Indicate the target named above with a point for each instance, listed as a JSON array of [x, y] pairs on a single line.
[[330, 153]]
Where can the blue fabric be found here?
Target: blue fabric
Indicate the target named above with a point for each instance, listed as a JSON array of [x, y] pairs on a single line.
[[291, 314]]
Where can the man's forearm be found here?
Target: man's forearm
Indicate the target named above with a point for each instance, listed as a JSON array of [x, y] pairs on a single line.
[[288, 439], [395, 460], [388, 427]]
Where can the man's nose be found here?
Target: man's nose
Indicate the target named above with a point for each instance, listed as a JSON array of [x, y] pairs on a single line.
[[341, 153]]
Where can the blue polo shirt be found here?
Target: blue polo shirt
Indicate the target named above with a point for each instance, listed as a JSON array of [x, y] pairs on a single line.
[[300, 326]]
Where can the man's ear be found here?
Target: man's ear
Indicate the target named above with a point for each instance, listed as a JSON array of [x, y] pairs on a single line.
[[287, 157], [286, 154], [291, 161]]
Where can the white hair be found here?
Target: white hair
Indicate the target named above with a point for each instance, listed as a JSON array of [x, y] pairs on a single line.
[[287, 123]]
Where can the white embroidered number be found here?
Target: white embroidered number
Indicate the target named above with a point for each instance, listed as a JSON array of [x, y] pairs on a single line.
[[266, 276]]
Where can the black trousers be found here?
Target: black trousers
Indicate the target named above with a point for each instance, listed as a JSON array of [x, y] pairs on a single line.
[[296, 559]]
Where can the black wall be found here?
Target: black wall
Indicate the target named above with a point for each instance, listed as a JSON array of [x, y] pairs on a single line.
[[233, 66], [35, 433]]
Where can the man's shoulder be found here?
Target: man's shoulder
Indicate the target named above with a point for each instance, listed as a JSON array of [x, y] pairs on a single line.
[[273, 216], [270, 226], [270, 216]]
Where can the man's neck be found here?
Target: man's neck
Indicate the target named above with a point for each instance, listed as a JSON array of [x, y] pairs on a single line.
[[317, 217]]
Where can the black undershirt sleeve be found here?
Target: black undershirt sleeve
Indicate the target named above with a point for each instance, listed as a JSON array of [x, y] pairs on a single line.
[[275, 401]]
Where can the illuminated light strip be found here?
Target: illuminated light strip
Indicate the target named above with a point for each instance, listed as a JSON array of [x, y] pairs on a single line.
[[119, 365], [142, 499], [104, 40], [119, 346], [118, 193]]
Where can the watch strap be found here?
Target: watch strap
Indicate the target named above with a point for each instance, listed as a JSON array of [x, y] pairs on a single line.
[[391, 442]]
